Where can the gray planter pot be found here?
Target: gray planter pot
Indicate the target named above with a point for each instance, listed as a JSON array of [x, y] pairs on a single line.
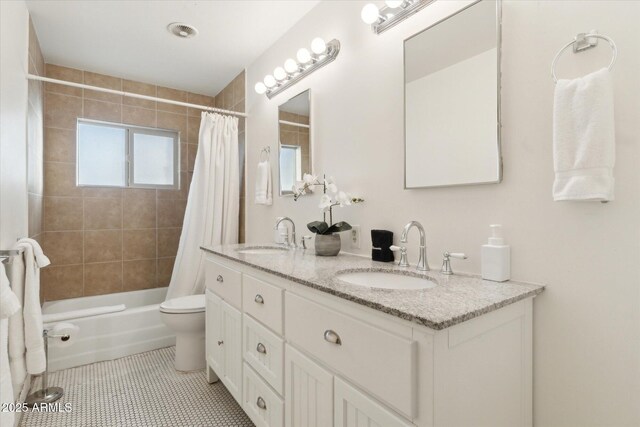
[[328, 244]]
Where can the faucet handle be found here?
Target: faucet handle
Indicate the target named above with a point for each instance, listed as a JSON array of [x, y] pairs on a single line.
[[304, 241], [403, 255], [446, 261]]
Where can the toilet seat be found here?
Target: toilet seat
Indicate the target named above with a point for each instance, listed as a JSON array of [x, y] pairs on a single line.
[[182, 305]]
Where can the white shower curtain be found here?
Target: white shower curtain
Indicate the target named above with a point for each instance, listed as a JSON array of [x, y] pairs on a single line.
[[213, 205]]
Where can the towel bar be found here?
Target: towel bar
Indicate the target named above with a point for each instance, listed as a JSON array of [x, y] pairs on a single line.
[[580, 43]]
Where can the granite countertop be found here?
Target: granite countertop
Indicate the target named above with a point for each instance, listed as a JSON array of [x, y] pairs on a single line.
[[455, 299]]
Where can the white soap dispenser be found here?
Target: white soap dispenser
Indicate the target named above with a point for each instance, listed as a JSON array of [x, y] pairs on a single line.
[[496, 257]]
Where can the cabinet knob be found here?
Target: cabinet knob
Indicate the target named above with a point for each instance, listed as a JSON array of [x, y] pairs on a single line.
[[260, 348], [258, 299], [332, 337], [261, 403], [220, 278], [220, 342]]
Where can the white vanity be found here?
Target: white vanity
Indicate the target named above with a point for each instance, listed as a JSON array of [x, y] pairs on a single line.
[[297, 347]]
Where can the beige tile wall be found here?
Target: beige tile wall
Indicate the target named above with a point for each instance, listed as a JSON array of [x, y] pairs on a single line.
[[35, 143], [104, 240], [232, 97]]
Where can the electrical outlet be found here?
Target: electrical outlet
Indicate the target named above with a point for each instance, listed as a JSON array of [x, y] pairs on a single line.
[[355, 236]]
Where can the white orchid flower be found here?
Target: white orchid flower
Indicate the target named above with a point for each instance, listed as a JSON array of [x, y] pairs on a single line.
[[325, 202], [343, 199], [331, 187], [309, 179]]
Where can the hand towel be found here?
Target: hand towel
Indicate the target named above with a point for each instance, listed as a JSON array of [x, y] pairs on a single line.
[[17, 361], [9, 305], [263, 184], [584, 138], [32, 310]]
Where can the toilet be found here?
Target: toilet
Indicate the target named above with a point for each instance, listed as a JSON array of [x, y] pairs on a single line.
[[185, 317]]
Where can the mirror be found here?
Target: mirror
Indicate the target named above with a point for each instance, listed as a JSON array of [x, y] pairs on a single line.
[[452, 100], [294, 133]]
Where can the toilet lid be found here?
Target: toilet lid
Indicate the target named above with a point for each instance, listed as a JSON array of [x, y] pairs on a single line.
[[188, 304]]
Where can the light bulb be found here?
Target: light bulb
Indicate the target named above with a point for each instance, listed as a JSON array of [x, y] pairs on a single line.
[[279, 73], [303, 56], [394, 3], [370, 13], [269, 81], [290, 66], [318, 46], [260, 88]]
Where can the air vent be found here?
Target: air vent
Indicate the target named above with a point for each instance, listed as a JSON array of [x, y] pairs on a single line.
[[182, 30]]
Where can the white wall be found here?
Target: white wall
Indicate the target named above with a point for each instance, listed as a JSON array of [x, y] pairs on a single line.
[[14, 38], [587, 322]]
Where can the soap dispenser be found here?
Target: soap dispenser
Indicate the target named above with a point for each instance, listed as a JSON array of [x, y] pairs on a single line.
[[496, 257]]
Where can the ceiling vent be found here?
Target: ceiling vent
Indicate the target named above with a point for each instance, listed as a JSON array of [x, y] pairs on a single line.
[[181, 30]]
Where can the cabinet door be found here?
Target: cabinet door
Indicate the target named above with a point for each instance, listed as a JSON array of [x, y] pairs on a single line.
[[309, 392], [214, 338], [354, 409], [232, 347]]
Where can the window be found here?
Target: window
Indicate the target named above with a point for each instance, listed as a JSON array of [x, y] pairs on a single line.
[[114, 155], [291, 167]]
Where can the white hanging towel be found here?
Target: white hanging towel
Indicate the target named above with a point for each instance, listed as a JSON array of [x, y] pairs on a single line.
[[35, 259], [584, 138], [9, 305], [263, 184]]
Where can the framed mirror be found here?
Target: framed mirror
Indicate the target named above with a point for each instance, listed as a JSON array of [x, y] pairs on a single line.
[[294, 141], [452, 100]]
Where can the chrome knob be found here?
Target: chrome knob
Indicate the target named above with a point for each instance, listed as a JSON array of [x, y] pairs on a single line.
[[332, 337], [258, 299], [220, 278], [261, 403], [260, 348]]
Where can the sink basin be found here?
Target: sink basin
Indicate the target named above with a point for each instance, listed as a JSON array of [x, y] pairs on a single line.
[[385, 280], [262, 250]]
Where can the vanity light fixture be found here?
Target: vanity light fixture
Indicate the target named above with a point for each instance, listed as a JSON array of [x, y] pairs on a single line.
[[393, 12], [293, 71]]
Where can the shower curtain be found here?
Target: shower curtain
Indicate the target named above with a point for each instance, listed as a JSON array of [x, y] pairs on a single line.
[[213, 204]]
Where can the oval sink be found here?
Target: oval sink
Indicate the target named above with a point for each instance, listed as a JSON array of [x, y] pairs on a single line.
[[262, 250], [385, 280]]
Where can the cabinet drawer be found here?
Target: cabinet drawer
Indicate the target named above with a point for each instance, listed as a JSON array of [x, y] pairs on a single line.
[[380, 362], [264, 351], [224, 282], [263, 301], [263, 405]]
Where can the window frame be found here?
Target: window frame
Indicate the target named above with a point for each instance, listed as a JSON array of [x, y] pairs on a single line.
[[130, 132]]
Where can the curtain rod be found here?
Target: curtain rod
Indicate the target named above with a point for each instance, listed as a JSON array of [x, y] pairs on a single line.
[[134, 95], [300, 125]]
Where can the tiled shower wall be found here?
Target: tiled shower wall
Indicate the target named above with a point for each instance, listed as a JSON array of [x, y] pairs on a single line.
[[35, 147], [296, 135], [105, 240]]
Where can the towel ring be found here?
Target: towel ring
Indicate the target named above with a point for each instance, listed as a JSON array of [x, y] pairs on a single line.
[[267, 152], [580, 38]]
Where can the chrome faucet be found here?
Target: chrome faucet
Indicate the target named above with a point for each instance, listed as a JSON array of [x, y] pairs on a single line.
[[423, 265], [291, 242]]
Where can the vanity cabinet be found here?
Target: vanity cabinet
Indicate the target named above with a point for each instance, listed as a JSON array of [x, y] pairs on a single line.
[[224, 343], [295, 356]]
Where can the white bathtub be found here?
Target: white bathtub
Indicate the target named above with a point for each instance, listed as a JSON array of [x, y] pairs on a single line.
[[109, 336]]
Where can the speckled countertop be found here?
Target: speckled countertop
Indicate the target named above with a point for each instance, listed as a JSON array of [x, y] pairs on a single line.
[[455, 299]]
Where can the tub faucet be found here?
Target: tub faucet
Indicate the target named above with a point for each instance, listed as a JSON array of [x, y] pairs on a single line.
[[291, 242], [423, 265]]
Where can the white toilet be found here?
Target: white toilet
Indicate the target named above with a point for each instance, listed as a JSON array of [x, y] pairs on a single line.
[[185, 316]]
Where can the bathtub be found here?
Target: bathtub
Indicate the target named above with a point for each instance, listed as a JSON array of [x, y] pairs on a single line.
[[109, 336]]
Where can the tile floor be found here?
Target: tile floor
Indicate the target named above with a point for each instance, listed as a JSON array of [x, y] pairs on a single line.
[[143, 390]]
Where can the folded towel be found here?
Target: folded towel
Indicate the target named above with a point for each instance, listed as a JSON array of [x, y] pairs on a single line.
[[40, 258], [584, 138], [263, 184]]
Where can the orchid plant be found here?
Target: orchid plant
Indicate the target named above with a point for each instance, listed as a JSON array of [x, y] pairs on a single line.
[[331, 197]]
